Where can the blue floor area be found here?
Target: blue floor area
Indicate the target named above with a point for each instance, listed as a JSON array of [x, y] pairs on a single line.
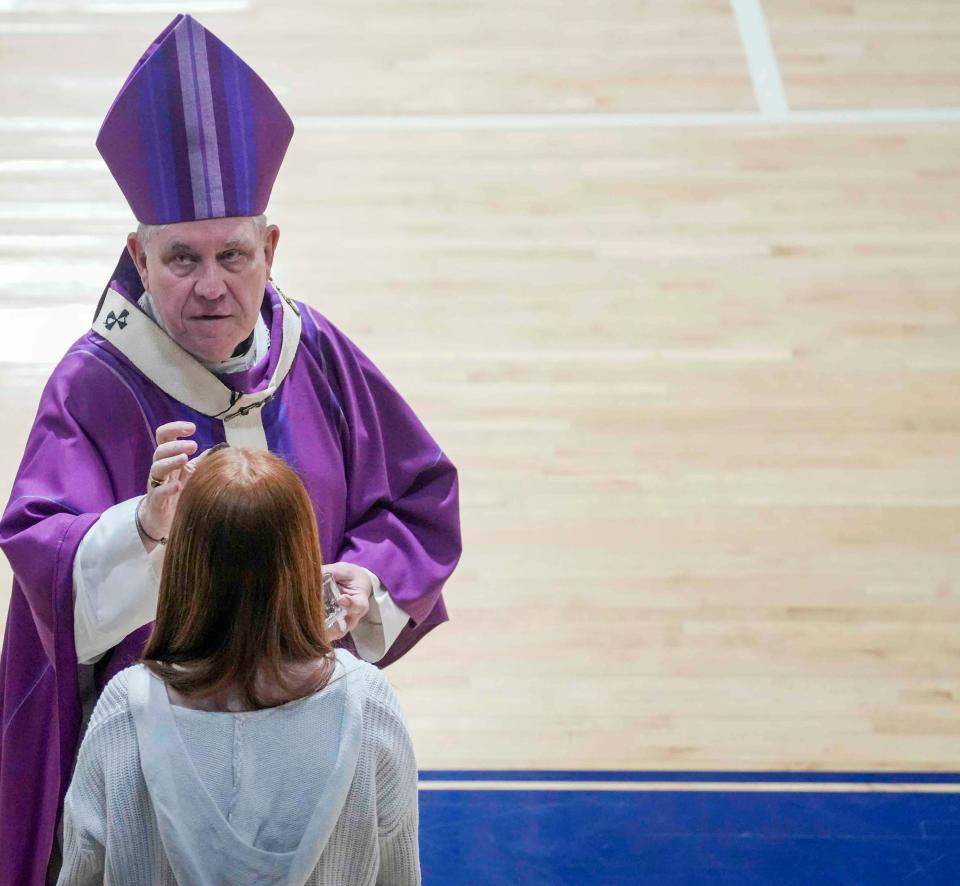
[[592, 837]]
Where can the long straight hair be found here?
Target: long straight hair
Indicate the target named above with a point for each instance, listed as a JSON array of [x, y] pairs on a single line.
[[241, 595]]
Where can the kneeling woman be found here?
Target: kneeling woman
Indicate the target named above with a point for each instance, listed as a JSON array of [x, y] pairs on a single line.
[[243, 749]]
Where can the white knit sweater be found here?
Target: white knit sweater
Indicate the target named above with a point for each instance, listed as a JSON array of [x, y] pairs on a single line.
[[322, 790]]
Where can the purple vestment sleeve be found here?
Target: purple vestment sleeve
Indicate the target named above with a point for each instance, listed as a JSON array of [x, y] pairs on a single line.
[[60, 490], [402, 520]]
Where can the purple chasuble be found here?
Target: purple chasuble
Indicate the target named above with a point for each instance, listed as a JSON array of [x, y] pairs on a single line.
[[384, 493]]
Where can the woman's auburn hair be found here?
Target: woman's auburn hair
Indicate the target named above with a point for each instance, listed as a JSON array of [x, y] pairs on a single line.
[[241, 594]]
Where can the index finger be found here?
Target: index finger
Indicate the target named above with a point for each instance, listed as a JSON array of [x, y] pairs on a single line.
[[174, 429], [341, 572]]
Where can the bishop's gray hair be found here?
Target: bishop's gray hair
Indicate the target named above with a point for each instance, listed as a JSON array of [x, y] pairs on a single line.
[[146, 232]]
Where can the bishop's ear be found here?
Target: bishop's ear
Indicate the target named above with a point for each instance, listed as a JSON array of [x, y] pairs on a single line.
[[139, 256], [270, 239]]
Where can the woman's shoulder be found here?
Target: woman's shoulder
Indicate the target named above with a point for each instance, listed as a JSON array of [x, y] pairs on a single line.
[[379, 698], [361, 672], [114, 701]]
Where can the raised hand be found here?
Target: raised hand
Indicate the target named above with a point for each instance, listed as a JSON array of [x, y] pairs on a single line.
[[169, 473]]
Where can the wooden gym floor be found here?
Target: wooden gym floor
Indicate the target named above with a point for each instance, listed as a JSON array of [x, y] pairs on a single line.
[[675, 284]]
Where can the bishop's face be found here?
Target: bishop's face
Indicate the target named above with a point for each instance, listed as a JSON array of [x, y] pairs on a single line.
[[207, 279]]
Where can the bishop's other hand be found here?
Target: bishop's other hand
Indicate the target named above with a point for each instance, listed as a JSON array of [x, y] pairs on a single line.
[[355, 592]]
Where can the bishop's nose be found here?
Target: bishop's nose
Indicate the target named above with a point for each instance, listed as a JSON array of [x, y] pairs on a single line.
[[210, 284]]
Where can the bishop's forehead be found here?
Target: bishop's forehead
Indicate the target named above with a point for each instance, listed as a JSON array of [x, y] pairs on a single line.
[[219, 232]]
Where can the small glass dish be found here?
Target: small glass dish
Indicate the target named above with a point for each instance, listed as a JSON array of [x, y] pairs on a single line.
[[334, 613]]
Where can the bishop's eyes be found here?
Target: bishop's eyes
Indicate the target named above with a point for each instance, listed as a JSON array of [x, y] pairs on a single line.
[[186, 261]]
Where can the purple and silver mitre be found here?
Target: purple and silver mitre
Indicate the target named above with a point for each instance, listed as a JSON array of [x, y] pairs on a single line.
[[194, 133]]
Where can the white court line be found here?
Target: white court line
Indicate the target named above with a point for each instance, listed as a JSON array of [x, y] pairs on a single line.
[[876, 115], [21, 210], [536, 122], [105, 8], [124, 7], [761, 59], [56, 26], [49, 124], [519, 122], [594, 356], [800, 787], [51, 164], [134, 7]]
